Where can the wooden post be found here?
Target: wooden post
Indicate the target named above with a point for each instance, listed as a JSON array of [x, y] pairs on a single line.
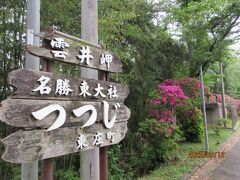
[[47, 169], [104, 163], [204, 111], [30, 170], [47, 164], [89, 164], [103, 150]]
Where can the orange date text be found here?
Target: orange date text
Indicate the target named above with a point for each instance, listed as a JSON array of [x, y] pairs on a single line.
[[206, 154]]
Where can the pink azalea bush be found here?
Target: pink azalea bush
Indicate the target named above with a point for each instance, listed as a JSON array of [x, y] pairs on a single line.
[[183, 96], [190, 86], [228, 101], [157, 134], [238, 105], [165, 116], [168, 96], [218, 98], [171, 95]]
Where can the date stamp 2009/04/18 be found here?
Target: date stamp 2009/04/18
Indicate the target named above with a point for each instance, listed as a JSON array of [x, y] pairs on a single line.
[[206, 154]]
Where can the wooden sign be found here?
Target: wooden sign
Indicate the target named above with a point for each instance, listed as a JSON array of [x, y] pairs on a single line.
[[65, 48], [18, 112], [59, 114], [27, 146], [25, 81]]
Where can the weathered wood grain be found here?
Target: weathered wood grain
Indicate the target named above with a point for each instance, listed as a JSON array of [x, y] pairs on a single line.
[[17, 112], [50, 32], [73, 51], [26, 80], [27, 146]]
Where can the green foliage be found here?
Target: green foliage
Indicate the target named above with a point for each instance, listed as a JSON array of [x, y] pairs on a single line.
[[190, 122], [225, 122], [12, 39], [221, 122], [183, 166], [62, 14], [115, 167], [16, 173], [156, 146], [206, 27], [232, 73], [66, 174], [212, 78], [67, 167], [148, 52], [12, 16]]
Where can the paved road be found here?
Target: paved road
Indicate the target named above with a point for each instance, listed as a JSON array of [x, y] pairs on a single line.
[[230, 168]]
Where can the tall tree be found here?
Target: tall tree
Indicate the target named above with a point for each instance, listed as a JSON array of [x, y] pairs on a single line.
[[206, 27], [12, 28], [12, 39]]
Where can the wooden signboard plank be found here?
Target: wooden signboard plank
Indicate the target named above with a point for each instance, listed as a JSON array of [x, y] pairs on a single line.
[[27, 146], [61, 114], [25, 81], [75, 44], [74, 50], [18, 112]]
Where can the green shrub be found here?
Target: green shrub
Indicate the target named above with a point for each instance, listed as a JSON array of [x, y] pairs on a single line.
[[66, 174], [156, 144], [222, 122], [116, 169], [190, 121]]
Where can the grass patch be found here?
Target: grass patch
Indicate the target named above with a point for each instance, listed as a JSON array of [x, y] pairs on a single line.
[[183, 165]]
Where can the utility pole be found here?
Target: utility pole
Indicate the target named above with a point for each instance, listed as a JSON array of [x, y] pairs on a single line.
[[30, 170], [204, 111], [223, 93], [89, 164]]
